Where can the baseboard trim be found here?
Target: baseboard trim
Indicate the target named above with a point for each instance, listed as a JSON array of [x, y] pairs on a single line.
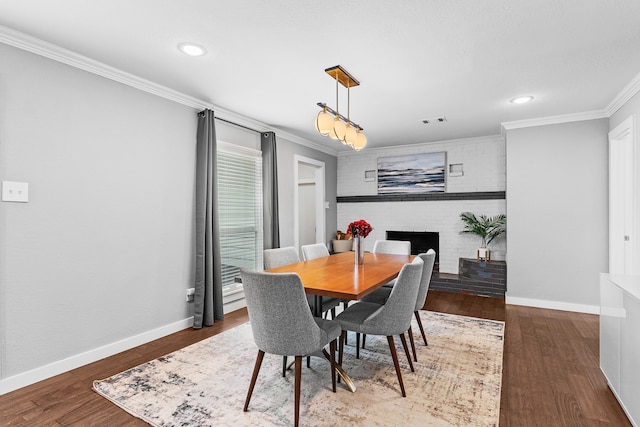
[[553, 305], [42, 373]]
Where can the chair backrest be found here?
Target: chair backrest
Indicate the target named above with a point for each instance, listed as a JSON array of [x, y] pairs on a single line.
[[316, 250], [281, 321], [429, 258], [394, 317], [395, 247], [280, 256]]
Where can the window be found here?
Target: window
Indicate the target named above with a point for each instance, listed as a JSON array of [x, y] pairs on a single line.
[[240, 210]]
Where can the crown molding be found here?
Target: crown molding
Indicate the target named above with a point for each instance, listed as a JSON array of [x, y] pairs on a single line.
[[43, 48], [632, 88], [553, 120]]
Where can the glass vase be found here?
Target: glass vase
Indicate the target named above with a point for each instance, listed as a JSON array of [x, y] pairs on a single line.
[[358, 248]]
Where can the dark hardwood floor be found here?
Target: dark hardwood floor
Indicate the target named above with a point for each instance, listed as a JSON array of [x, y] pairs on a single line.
[[551, 374]]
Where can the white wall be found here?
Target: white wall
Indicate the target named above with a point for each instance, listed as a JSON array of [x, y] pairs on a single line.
[[102, 251], [557, 210], [99, 259], [483, 162]]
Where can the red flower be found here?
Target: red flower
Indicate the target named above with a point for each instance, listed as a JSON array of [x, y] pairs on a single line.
[[359, 228]]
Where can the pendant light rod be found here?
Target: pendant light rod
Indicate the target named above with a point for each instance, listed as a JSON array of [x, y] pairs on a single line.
[[335, 113]]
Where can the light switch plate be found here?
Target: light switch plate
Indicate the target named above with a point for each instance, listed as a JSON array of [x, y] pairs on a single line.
[[15, 191]]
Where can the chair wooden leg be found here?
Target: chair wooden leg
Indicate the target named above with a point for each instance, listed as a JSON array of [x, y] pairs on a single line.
[[413, 344], [284, 366], [308, 361], [254, 377], [357, 345], [394, 355], [333, 313], [406, 351], [297, 390], [424, 337], [364, 339], [332, 350]]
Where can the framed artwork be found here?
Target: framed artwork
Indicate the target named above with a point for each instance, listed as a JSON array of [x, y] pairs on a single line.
[[416, 173]]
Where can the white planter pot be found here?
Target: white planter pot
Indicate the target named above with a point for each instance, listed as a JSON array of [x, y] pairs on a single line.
[[342, 245], [484, 254]]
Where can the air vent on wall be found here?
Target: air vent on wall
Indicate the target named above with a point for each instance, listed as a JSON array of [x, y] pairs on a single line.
[[440, 119]]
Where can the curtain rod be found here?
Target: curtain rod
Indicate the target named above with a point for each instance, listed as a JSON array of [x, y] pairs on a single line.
[[237, 124]]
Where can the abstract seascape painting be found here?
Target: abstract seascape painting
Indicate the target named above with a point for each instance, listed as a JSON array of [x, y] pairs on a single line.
[[419, 173]]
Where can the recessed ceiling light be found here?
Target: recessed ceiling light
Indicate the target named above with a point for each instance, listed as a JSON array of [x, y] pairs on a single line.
[[521, 100], [192, 49]]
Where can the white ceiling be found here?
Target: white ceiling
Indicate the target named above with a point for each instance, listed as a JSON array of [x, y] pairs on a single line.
[[415, 59]]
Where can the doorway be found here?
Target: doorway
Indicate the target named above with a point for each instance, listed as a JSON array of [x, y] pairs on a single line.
[[309, 215]]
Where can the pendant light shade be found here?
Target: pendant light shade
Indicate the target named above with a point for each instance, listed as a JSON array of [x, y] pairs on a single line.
[[350, 135], [324, 122], [361, 142], [339, 129]]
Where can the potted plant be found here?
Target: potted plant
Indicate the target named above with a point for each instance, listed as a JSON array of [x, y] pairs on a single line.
[[487, 228]]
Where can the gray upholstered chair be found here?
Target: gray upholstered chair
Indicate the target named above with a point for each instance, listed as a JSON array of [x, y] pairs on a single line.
[[289, 255], [380, 296], [315, 250], [280, 256], [392, 318], [282, 324], [319, 250], [396, 247]]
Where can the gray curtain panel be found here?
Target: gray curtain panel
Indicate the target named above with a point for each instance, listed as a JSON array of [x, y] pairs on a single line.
[[270, 219], [208, 274]]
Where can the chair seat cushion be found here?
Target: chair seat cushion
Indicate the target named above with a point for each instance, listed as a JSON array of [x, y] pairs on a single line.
[[391, 284], [331, 328], [379, 296], [353, 318], [327, 303]]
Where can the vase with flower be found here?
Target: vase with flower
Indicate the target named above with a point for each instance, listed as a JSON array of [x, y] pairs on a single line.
[[358, 230]]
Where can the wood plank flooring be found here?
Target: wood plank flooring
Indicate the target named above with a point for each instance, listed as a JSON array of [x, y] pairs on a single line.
[[551, 371]]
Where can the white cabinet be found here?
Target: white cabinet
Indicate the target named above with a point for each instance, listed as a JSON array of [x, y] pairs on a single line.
[[620, 339]]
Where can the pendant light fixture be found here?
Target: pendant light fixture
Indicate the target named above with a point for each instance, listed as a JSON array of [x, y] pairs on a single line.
[[331, 123]]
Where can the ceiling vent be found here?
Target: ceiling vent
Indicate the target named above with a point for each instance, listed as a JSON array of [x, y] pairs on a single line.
[[440, 119]]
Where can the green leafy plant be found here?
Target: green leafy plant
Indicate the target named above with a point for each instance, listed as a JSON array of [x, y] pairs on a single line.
[[487, 228]]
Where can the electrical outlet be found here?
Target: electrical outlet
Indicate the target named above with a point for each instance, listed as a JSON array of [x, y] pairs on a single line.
[[15, 191], [190, 294]]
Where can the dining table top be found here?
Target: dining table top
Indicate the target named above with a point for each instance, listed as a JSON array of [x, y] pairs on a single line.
[[337, 276]]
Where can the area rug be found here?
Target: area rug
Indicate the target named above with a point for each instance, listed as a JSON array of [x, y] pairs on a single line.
[[456, 383]]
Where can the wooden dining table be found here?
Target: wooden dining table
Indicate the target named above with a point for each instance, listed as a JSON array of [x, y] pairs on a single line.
[[337, 276]]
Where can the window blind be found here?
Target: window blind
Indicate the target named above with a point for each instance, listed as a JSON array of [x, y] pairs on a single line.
[[240, 211]]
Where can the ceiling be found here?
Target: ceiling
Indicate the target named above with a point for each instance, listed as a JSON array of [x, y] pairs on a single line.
[[415, 59]]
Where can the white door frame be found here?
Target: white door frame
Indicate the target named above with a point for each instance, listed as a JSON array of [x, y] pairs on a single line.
[[319, 199], [623, 247]]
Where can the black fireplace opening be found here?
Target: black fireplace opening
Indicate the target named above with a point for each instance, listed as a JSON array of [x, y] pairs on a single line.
[[421, 241]]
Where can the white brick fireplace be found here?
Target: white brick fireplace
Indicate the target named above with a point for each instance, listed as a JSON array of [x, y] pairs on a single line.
[[483, 164]]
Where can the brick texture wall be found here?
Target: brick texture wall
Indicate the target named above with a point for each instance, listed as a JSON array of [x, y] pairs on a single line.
[[483, 161]]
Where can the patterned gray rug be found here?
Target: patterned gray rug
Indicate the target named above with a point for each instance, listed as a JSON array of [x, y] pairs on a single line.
[[457, 382]]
